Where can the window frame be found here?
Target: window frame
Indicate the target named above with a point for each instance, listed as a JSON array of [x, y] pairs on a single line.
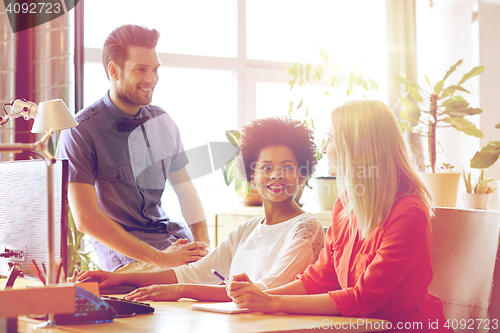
[[246, 72]]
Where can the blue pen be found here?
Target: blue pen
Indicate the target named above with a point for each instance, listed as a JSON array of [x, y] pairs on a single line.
[[224, 280]]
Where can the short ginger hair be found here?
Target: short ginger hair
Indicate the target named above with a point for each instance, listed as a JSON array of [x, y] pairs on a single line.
[[115, 47]]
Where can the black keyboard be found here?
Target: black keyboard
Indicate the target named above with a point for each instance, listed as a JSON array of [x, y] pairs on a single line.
[[125, 307], [90, 309], [119, 289]]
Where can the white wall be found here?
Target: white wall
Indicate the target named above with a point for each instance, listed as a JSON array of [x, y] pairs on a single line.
[[489, 57]]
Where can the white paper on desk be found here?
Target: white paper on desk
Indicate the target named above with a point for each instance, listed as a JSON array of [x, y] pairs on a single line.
[[224, 307]]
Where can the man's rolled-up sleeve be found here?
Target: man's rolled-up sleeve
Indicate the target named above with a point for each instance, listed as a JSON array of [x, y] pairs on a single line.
[[72, 145]]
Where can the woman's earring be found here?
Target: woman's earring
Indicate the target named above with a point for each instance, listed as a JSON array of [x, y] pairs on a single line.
[[302, 182]]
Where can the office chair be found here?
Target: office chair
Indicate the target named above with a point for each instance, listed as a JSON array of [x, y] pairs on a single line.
[[464, 260]]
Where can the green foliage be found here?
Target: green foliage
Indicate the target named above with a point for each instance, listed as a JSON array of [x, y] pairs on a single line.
[[78, 260], [233, 137], [230, 172], [437, 106], [329, 76], [488, 155], [481, 186], [447, 167]]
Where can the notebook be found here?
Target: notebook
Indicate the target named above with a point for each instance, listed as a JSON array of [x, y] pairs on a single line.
[[224, 307]]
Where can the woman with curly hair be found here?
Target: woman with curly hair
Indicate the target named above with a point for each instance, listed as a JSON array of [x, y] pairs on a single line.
[[277, 156], [377, 256]]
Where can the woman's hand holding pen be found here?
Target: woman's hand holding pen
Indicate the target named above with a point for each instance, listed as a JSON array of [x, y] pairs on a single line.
[[246, 295]]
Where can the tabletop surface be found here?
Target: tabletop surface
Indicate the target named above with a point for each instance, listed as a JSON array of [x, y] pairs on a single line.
[[179, 317]]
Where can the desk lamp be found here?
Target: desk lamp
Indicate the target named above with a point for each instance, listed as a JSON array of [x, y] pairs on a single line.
[[49, 116]]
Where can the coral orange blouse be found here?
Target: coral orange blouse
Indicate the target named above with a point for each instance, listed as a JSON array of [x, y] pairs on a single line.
[[385, 275]]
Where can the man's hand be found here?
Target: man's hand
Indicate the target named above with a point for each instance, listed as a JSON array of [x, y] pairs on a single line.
[[182, 253]]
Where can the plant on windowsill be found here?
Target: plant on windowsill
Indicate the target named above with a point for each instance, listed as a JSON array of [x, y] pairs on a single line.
[[488, 155], [251, 197], [436, 107], [333, 78], [477, 196]]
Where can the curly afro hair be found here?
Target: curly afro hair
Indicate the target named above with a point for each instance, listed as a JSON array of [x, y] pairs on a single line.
[[275, 131]]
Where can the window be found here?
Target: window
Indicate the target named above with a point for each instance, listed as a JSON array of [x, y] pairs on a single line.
[[195, 27], [289, 30], [224, 62]]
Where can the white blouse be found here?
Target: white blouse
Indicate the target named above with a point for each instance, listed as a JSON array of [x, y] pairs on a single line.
[[271, 255]]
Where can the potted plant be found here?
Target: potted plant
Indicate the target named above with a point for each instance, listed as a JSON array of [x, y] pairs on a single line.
[[427, 109], [332, 78], [78, 258], [251, 197], [488, 155], [477, 196]]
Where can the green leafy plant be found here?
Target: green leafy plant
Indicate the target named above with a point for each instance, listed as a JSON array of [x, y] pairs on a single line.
[[437, 106], [330, 76], [488, 155], [78, 259], [230, 172], [447, 167], [481, 186]]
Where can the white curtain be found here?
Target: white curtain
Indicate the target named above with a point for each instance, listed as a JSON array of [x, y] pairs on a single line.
[[401, 48]]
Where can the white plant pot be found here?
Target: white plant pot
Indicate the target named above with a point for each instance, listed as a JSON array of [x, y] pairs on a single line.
[[325, 192], [443, 187], [476, 201]]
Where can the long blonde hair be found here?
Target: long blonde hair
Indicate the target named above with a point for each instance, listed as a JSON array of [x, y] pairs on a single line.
[[374, 162]]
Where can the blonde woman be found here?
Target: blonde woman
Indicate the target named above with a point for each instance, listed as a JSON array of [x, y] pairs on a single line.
[[377, 256]]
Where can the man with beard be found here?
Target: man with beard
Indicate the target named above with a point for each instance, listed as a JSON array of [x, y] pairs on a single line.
[[120, 156]]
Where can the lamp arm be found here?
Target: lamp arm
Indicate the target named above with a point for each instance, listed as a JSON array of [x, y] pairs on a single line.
[[6, 118], [41, 145], [21, 108]]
